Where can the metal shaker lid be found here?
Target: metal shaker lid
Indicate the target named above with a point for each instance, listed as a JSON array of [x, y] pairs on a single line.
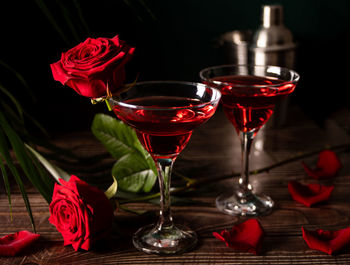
[[234, 45], [236, 37], [272, 34], [272, 15]]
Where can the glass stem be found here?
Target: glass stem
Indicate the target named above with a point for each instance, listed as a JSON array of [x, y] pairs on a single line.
[[245, 189], [164, 167]]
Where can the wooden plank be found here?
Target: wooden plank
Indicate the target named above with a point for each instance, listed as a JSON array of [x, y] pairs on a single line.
[[213, 151]]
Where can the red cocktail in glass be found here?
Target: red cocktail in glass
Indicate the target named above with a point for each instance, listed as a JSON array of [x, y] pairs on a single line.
[[249, 95], [164, 114], [165, 123]]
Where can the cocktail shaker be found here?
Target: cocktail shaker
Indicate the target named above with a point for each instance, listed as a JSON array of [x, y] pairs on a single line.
[[273, 43], [234, 46]]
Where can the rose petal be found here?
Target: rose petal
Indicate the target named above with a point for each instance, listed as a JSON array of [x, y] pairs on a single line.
[[309, 194], [246, 236], [12, 244], [329, 242], [328, 165]]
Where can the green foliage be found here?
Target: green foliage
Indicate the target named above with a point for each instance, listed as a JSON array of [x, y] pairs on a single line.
[[15, 161], [9, 140], [112, 190], [18, 158], [134, 168], [56, 172], [67, 19]]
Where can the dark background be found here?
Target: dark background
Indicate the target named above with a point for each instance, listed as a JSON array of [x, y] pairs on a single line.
[[173, 40]]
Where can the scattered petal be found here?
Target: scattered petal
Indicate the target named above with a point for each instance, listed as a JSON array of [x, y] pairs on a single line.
[[309, 194], [328, 165], [329, 242], [12, 244], [246, 236]]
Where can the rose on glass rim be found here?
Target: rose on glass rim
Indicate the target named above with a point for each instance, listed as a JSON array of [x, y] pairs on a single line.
[[80, 212], [93, 65]]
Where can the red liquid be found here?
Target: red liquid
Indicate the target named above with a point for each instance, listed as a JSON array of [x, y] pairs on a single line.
[[165, 129], [250, 107]]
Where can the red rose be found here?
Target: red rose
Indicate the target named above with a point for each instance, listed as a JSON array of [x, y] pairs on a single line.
[[80, 212], [91, 65]]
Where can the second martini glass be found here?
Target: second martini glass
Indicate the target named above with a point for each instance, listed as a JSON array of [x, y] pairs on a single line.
[[164, 114], [249, 95]]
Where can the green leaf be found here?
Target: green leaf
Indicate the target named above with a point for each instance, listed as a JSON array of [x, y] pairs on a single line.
[[117, 138], [128, 210], [133, 173], [112, 190], [7, 184], [4, 151], [41, 4], [19, 77], [138, 7], [81, 17], [17, 122], [54, 170], [134, 168], [14, 100], [45, 188], [67, 17]]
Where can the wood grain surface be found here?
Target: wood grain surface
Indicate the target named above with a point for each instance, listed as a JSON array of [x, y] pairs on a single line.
[[213, 152]]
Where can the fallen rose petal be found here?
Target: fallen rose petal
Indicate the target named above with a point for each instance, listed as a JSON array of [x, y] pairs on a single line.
[[246, 236], [328, 165], [309, 194], [12, 244], [329, 242]]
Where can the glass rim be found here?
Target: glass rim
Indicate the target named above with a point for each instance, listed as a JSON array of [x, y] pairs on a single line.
[[173, 82], [295, 75]]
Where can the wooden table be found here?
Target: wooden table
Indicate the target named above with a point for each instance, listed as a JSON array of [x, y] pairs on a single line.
[[213, 151]]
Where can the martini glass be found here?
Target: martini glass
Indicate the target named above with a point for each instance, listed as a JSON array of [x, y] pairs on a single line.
[[249, 95], [164, 114]]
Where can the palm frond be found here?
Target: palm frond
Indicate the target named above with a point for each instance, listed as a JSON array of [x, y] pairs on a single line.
[[5, 154], [7, 184], [42, 5], [13, 100], [81, 17], [24, 160], [138, 7], [67, 18], [19, 77]]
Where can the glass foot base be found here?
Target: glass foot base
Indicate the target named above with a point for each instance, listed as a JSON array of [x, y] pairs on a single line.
[[171, 240], [256, 205]]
